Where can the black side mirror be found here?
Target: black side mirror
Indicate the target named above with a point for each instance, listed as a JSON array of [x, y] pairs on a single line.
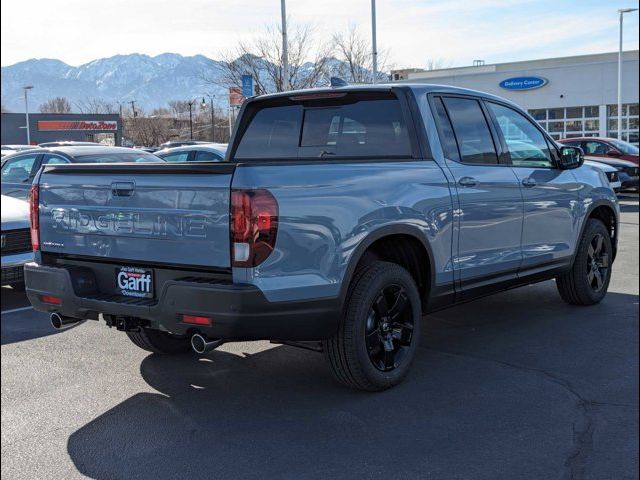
[[571, 157]]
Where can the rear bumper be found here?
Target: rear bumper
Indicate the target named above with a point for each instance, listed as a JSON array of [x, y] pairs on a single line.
[[239, 312], [12, 267]]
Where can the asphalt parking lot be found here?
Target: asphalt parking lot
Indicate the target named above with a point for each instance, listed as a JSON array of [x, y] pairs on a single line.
[[518, 385]]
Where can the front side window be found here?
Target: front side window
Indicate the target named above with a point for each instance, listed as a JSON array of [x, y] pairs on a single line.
[[18, 169], [527, 145], [471, 131], [360, 125]]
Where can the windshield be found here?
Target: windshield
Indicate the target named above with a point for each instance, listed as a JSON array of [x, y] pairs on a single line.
[[118, 157], [625, 147]]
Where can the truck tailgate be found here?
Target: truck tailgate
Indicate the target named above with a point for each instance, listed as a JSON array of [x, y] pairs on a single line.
[[170, 214]]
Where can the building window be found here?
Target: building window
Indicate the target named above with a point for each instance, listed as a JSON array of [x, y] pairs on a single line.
[[629, 122], [574, 112], [555, 113], [591, 112], [572, 122], [538, 114]]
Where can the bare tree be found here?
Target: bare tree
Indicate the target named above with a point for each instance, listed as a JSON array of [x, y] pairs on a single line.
[[95, 105], [56, 105], [354, 53], [262, 59], [437, 63]]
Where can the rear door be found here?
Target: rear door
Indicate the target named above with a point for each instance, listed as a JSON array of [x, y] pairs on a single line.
[[490, 203], [144, 213], [551, 203]]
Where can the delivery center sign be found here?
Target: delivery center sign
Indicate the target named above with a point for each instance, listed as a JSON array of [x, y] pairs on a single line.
[[58, 125]]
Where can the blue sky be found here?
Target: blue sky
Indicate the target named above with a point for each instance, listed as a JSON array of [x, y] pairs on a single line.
[[456, 31]]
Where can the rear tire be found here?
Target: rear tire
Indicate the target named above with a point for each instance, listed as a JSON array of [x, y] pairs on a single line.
[[372, 350], [588, 280], [157, 341]]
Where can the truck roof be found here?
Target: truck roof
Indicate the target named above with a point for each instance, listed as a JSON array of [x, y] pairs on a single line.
[[420, 88]]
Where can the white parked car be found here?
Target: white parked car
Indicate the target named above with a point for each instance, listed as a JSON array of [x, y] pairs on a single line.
[[609, 171], [16, 241], [201, 152]]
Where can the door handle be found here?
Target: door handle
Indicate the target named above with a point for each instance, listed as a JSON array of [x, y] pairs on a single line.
[[529, 182], [122, 189], [468, 182]]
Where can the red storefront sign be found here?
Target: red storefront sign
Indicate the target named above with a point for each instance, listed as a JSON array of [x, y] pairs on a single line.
[[57, 125]]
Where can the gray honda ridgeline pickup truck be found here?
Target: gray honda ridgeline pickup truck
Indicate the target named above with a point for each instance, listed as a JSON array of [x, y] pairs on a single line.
[[339, 218]]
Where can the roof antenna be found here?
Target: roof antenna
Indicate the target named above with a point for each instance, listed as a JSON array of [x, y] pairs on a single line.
[[337, 82]]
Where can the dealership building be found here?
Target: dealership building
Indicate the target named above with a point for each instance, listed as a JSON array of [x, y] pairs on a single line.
[[53, 127], [569, 96]]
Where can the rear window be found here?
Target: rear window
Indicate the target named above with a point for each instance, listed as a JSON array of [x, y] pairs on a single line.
[[120, 157], [357, 125]]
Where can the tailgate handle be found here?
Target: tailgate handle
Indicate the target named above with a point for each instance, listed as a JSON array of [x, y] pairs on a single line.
[[122, 189]]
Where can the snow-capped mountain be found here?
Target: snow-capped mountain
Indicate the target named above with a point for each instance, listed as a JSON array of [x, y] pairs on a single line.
[[150, 81]]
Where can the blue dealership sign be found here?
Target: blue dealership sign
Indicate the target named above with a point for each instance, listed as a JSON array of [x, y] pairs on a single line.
[[247, 86], [523, 83]]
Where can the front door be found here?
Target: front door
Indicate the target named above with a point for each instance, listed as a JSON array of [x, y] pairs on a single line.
[[489, 209], [550, 195]]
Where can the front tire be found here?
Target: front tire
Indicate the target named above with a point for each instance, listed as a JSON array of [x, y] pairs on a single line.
[[157, 341], [378, 336], [588, 280]]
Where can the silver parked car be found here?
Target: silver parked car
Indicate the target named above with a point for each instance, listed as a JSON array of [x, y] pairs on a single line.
[[201, 152], [16, 241]]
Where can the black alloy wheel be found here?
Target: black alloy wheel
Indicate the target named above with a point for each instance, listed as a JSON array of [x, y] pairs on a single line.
[[389, 328], [597, 263]]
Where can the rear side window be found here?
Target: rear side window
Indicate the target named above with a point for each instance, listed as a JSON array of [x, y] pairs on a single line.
[[350, 128], [207, 156], [177, 157], [471, 130], [54, 160], [447, 138]]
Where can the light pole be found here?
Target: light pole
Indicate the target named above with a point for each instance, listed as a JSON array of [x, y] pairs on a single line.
[[374, 47], [190, 120], [213, 115], [285, 47], [26, 111], [621, 12]]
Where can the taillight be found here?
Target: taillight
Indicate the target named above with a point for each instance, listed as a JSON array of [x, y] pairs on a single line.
[[196, 319], [51, 300], [34, 216], [253, 226]]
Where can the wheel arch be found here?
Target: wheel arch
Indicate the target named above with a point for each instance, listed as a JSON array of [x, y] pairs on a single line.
[[606, 212], [413, 248]]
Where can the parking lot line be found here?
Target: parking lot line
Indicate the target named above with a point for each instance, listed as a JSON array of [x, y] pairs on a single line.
[[22, 309]]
